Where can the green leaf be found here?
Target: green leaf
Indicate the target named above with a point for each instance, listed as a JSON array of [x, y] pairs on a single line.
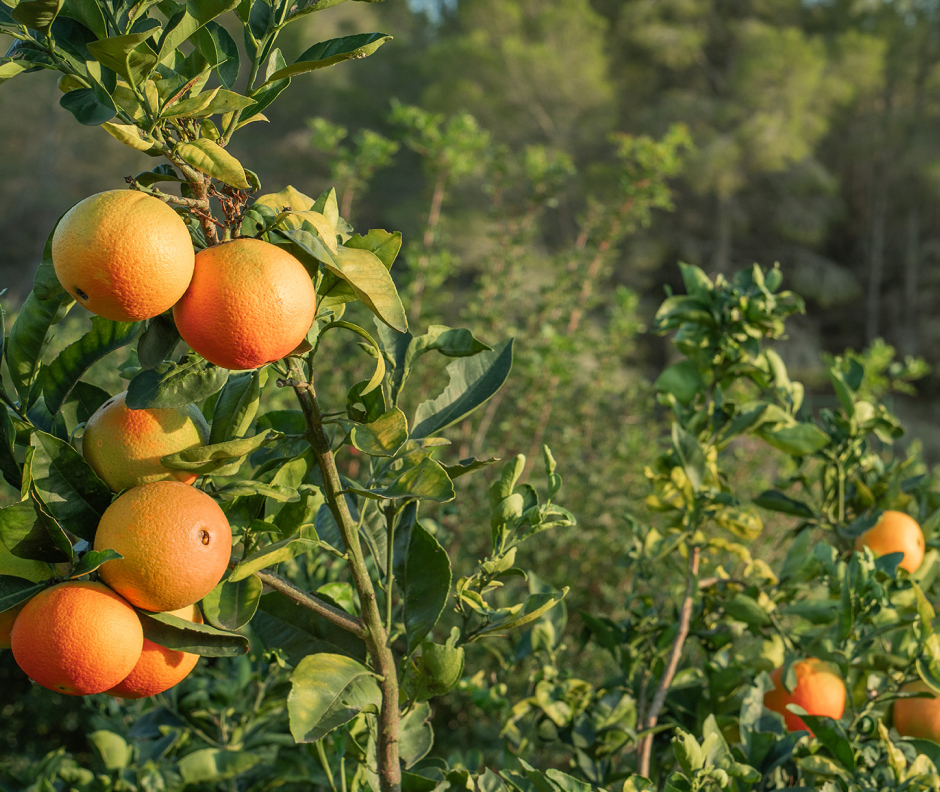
[[127, 55], [207, 103], [800, 440], [26, 536], [465, 466], [210, 158], [416, 736], [832, 735], [237, 405], [185, 24], [10, 69], [427, 481], [88, 109], [533, 608], [327, 691], [176, 384], [748, 610], [369, 279], [232, 604], [186, 636], [383, 436], [9, 466], [82, 403], [92, 560], [778, 502], [327, 53], [436, 671], [45, 305], [37, 14], [690, 455], [697, 283], [238, 489], [423, 574], [220, 51], [682, 380], [210, 458], [292, 628], [113, 749], [158, 341], [14, 590], [70, 489], [89, 14], [60, 376], [271, 556], [473, 381], [212, 764], [385, 244]]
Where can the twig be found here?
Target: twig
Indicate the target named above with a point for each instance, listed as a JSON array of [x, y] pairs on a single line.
[[672, 663]]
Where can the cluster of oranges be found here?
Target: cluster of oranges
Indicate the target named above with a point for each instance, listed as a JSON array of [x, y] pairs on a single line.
[[820, 691], [127, 256]]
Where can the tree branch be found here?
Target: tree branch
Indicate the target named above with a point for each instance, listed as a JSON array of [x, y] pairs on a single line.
[[672, 663]]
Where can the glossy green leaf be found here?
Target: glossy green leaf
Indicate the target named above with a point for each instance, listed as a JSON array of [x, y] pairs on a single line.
[[473, 381], [271, 556], [383, 436], [26, 536], [232, 604], [327, 53], [831, 734], [682, 380], [299, 632], [778, 502], [423, 574], [209, 458], [92, 560], [89, 14], [238, 489], [184, 24], [9, 466], [158, 341], [533, 608], [211, 765], [237, 405], [366, 274], [416, 735], [214, 102], [69, 488], [87, 108], [210, 158], [60, 376], [426, 481], [127, 55], [14, 590], [113, 749], [176, 384], [186, 636], [37, 14], [434, 672], [327, 691], [220, 51], [10, 69], [799, 440], [385, 244]]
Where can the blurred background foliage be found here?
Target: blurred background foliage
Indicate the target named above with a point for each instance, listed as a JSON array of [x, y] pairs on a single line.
[[516, 154]]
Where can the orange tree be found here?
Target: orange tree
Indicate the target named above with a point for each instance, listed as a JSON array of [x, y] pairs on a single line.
[[161, 78], [797, 654]]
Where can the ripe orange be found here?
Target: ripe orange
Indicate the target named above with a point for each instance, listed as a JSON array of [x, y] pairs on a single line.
[[176, 544], [77, 637], [124, 446], [159, 668], [123, 254], [918, 717], [249, 303], [819, 691], [895, 532]]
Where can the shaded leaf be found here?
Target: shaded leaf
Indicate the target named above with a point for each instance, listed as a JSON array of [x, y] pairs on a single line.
[[327, 53], [186, 636], [175, 384]]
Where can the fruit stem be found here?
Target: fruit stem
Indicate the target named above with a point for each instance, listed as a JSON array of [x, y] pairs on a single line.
[[672, 663], [377, 638]]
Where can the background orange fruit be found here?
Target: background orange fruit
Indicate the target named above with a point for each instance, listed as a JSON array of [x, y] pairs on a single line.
[[819, 690], [124, 255], [249, 303], [895, 532], [176, 544], [918, 717], [124, 446], [159, 668], [77, 637]]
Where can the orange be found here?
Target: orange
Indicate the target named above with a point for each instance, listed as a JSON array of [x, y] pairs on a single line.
[[819, 691], [176, 544], [918, 717], [77, 637], [159, 668], [895, 532], [124, 255], [7, 618], [124, 446], [250, 303]]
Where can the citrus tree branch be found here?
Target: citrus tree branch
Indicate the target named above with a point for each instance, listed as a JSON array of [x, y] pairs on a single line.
[[376, 636], [672, 663], [329, 612]]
